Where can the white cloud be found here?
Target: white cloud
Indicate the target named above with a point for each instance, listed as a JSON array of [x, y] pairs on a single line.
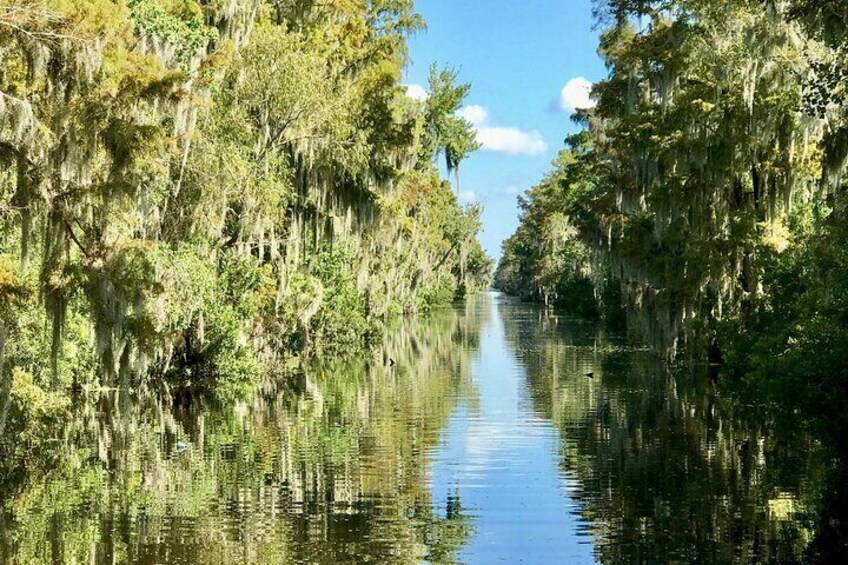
[[468, 197], [500, 139], [576, 94], [511, 141], [416, 92], [477, 115], [511, 190]]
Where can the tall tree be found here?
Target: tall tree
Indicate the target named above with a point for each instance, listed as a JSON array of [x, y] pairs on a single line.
[[447, 133]]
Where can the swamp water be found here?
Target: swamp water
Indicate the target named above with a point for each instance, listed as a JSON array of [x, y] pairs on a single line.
[[484, 442]]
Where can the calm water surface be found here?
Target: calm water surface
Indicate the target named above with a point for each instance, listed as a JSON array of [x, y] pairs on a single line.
[[485, 442]]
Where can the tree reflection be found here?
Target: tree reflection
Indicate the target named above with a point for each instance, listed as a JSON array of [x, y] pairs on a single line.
[[326, 465], [667, 468]]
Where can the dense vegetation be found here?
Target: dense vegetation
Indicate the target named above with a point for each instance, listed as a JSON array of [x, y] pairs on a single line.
[[192, 190], [706, 190]]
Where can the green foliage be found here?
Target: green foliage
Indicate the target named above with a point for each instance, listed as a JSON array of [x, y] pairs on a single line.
[[342, 322], [545, 260], [216, 331], [198, 191], [446, 133], [440, 291], [793, 342], [177, 22]]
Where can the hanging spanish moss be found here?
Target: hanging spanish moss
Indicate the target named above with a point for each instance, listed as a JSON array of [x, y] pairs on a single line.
[[199, 190], [714, 154]]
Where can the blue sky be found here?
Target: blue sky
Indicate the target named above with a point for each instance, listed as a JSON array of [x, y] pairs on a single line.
[[518, 56]]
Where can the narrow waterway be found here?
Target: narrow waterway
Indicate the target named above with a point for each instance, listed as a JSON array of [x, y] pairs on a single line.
[[501, 454], [492, 432]]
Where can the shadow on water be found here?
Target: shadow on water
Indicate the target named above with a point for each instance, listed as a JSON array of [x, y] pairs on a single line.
[[484, 440]]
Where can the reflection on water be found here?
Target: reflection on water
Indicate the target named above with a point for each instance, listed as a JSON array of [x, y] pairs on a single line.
[[325, 467], [484, 442], [666, 469]]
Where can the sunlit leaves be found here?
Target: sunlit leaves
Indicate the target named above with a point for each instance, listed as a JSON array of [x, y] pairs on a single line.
[[446, 132], [162, 162]]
